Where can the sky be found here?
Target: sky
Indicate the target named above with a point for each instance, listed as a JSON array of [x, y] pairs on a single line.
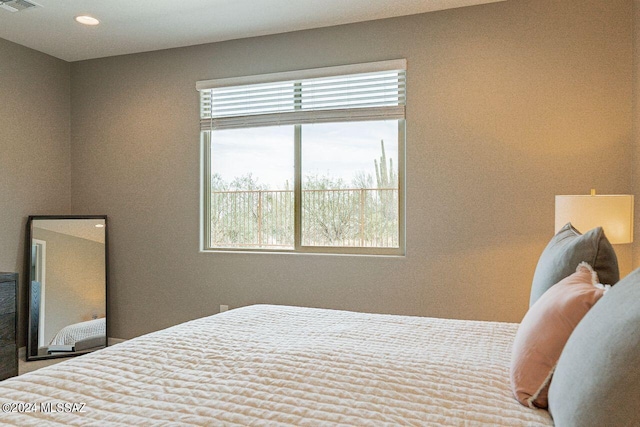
[[330, 149]]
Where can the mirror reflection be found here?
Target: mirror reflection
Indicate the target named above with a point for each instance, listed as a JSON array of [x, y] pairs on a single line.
[[67, 286]]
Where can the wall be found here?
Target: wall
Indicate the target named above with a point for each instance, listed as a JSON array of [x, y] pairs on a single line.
[[35, 162], [508, 104], [636, 130], [74, 288]]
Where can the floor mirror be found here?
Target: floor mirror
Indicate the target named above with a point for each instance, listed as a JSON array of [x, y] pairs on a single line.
[[66, 266]]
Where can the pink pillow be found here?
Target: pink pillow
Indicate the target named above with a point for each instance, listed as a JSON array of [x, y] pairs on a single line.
[[545, 330]]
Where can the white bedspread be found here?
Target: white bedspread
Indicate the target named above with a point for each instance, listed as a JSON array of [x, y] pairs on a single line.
[[275, 365], [79, 331]]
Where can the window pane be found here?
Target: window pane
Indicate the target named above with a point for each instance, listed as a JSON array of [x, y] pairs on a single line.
[[252, 176], [350, 184]]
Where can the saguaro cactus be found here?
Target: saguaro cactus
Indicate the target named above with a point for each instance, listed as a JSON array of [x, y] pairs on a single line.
[[385, 176]]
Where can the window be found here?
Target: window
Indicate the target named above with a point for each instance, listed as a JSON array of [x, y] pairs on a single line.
[[305, 161]]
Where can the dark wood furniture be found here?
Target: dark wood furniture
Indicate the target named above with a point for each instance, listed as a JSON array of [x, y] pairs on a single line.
[[8, 325]]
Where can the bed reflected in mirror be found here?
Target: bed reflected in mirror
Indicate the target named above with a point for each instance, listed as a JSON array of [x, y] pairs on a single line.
[[67, 272]]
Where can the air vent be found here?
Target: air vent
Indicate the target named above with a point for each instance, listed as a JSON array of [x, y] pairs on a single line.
[[17, 5]]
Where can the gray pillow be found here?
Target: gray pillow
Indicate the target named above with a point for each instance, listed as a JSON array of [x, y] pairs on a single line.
[[597, 379], [566, 250]]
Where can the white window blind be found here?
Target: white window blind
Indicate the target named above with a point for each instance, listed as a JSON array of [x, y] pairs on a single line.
[[373, 91]]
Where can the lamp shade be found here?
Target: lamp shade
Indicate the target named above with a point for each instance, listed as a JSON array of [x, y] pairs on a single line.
[[612, 212]]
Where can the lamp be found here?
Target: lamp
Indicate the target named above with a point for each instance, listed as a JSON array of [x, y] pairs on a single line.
[[612, 212]]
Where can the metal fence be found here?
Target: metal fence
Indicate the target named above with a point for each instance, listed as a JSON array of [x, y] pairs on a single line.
[[366, 217]]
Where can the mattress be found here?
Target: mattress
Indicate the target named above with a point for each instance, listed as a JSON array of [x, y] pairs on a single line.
[[80, 331], [289, 366]]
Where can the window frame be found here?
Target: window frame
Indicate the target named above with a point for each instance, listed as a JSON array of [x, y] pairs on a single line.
[[205, 169]]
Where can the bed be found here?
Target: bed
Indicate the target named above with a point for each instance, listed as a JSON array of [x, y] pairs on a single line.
[[279, 365], [69, 335]]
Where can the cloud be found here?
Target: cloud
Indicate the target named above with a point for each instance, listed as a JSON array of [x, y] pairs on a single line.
[[336, 149]]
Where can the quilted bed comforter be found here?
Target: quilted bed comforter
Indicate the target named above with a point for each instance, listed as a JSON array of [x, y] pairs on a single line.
[[80, 331], [276, 365]]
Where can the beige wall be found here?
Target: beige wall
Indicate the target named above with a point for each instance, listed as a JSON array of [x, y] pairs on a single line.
[[508, 105], [75, 280], [35, 168], [636, 130]]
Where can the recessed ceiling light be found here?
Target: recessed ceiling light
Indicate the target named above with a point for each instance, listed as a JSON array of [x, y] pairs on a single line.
[[86, 20], [99, 225]]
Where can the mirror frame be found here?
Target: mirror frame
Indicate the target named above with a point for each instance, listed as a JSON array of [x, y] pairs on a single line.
[[27, 271]]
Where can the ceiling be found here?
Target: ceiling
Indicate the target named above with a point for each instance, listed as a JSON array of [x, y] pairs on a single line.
[[82, 228], [145, 25]]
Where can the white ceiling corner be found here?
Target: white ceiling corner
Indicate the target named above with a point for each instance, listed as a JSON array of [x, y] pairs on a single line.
[[82, 228], [147, 25]]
